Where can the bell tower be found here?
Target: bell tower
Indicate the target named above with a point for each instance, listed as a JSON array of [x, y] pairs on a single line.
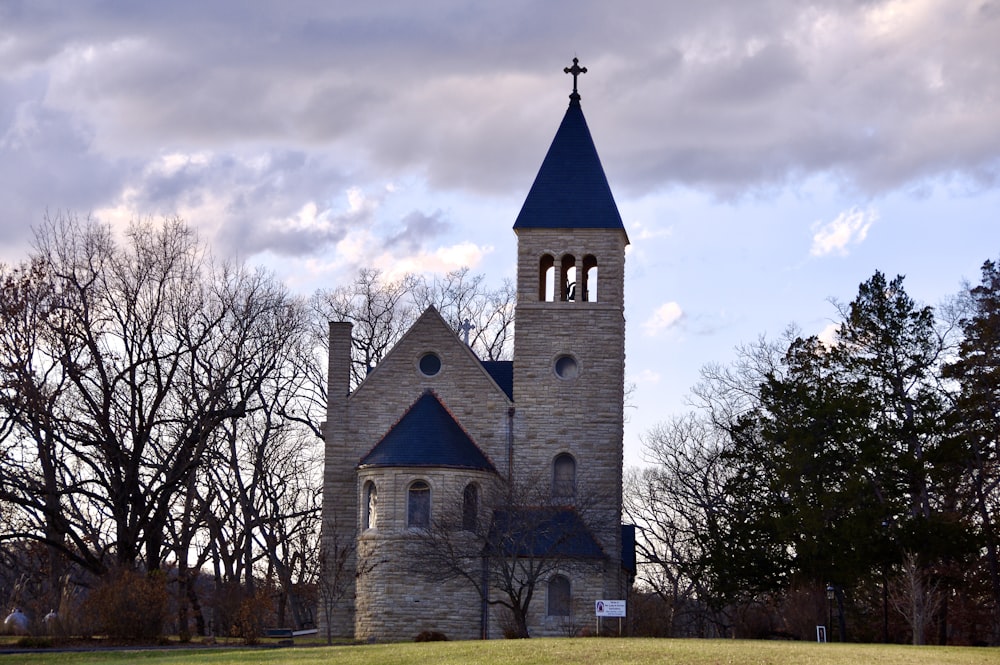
[[569, 348]]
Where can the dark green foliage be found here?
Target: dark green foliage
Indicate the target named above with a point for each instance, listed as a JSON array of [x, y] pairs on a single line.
[[976, 418], [846, 463]]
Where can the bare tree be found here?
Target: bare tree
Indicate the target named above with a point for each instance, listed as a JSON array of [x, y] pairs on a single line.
[[726, 392], [466, 302], [119, 363], [340, 569], [917, 596], [676, 504], [380, 310], [518, 538]]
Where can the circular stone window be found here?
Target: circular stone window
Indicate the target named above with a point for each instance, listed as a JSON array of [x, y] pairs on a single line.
[[566, 367], [430, 364]]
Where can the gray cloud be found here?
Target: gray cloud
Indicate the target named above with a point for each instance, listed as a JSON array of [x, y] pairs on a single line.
[[46, 163], [417, 229], [732, 98]]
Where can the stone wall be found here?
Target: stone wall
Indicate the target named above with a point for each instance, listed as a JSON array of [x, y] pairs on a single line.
[[579, 414], [402, 594], [583, 414]]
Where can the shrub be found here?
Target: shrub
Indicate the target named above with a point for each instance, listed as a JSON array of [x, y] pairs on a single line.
[[430, 636], [128, 605], [251, 616]]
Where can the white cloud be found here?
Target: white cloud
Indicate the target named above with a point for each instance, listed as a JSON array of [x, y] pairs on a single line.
[[849, 228], [171, 164], [829, 334], [647, 377], [642, 231], [440, 260], [666, 316]]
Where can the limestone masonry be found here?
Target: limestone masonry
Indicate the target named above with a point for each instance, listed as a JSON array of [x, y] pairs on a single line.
[[450, 482]]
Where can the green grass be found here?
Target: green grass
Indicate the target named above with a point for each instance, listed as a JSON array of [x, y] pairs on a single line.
[[589, 651]]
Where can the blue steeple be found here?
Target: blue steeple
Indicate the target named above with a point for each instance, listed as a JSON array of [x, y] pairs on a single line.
[[571, 190]]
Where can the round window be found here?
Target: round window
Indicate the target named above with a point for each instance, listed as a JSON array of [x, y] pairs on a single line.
[[430, 364], [566, 367]]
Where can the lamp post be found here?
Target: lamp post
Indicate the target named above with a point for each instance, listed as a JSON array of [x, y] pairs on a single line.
[[885, 585], [829, 612]]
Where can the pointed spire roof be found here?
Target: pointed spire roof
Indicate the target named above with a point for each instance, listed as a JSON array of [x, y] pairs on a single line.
[[427, 435], [571, 190]]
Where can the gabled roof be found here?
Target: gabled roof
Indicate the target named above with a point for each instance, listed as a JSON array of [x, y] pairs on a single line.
[[542, 532], [502, 372], [570, 190], [448, 344], [427, 435]]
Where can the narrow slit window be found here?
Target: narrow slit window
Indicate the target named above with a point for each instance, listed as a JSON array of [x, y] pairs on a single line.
[[470, 507], [558, 596], [564, 477], [588, 291], [567, 278], [371, 506], [547, 278], [418, 505]]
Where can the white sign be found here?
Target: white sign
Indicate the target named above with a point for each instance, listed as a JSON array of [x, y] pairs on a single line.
[[609, 608]]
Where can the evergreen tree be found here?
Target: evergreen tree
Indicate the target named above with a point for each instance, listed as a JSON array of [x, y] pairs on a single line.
[[977, 418]]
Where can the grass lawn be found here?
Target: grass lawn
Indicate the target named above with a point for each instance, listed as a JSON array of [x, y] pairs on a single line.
[[589, 651]]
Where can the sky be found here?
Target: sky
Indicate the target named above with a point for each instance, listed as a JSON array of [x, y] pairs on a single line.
[[767, 156]]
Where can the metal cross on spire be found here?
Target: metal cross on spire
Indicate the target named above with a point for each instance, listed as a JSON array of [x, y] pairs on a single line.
[[575, 70]]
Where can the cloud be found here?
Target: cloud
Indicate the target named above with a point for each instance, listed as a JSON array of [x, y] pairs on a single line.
[[418, 228], [848, 228], [440, 260], [642, 231], [665, 317], [290, 105], [647, 377], [829, 334]]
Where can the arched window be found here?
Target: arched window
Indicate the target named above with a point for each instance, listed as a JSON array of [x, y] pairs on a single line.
[[558, 596], [563, 476], [546, 278], [588, 290], [567, 278], [418, 505], [470, 507], [370, 520]]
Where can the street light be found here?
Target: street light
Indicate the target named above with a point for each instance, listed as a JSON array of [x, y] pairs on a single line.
[[885, 584], [829, 611]]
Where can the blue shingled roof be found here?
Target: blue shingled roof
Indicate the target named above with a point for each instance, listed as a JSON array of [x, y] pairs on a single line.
[[502, 371], [542, 532], [427, 435], [628, 548], [570, 190]]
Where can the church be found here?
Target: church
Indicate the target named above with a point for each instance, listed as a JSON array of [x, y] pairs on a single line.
[[483, 499]]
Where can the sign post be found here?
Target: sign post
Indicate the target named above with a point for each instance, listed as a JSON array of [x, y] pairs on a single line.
[[609, 608]]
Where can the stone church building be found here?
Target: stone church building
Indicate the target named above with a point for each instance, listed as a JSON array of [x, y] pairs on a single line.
[[446, 476]]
